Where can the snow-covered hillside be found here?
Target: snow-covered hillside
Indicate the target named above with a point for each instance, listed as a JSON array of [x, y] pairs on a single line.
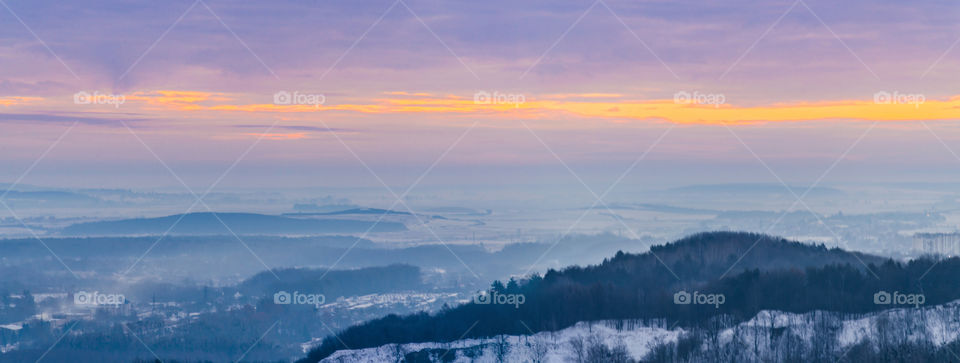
[[769, 335], [819, 330], [543, 347]]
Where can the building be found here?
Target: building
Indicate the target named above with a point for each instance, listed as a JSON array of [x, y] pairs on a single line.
[[945, 244]]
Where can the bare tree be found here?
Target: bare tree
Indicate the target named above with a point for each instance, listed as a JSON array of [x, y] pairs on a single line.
[[538, 349], [399, 353], [579, 349], [501, 347], [598, 352]]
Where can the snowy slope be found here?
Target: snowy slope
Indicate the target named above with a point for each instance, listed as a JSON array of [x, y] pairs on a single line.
[[759, 338], [637, 340], [936, 325]]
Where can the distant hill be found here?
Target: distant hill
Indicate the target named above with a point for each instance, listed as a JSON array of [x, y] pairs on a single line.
[[321, 208], [754, 189], [56, 198], [240, 223], [373, 211], [706, 256], [661, 208]]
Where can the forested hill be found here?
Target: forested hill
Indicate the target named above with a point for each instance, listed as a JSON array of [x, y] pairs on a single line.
[[707, 256], [775, 274]]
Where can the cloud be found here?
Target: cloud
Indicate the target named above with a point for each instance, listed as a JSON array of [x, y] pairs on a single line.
[[53, 118], [279, 136], [180, 100], [498, 39], [296, 128], [18, 100], [581, 96], [14, 88], [684, 111]]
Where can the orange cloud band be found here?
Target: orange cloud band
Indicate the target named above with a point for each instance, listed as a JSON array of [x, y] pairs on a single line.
[[17, 100], [684, 111]]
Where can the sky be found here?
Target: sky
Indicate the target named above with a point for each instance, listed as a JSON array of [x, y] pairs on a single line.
[[121, 94]]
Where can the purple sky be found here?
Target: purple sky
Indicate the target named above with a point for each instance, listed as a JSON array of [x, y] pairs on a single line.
[[798, 82]]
